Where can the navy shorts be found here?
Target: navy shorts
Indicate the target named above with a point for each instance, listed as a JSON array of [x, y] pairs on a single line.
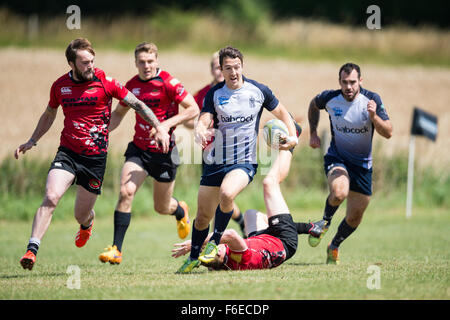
[[213, 174], [88, 170], [160, 166], [360, 178]]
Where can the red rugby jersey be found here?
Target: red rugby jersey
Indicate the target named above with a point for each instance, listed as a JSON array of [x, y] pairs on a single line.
[[264, 252], [200, 98], [200, 95], [87, 110], [162, 94]]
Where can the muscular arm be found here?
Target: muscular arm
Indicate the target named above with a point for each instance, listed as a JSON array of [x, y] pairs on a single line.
[[144, 111], [161, 134], [281, 113], [313, 116], [45, 122], [190, 111], [117, 116], [383, 127], [201, 131], [313, 119]]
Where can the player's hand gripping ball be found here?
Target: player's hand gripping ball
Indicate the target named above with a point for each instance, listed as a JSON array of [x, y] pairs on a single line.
[[275, 133]]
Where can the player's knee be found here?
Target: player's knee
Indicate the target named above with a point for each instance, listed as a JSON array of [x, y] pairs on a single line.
[[338, 195], [51, 199], [126, 193], [201, 221], [268, 183], [226, 197], [161, 208]]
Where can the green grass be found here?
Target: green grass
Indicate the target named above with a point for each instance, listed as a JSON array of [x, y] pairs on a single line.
[[412, 255]]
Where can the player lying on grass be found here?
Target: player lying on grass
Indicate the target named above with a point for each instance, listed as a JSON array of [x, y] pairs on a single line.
[[272, 239]]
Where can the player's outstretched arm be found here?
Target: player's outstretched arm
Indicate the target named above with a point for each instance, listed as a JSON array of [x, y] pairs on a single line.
[[45, 122], [117, 116], [383, 127], [161, 136], [202, 132], [313, 120], [190, 111], [281, 113]]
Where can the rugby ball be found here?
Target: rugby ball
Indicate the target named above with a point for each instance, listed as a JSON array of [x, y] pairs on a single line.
[[272, 131]]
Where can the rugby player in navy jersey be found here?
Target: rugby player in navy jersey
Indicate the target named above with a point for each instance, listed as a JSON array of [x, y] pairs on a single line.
[[355, 114], [199, 97], [85, 94], [234, 106]]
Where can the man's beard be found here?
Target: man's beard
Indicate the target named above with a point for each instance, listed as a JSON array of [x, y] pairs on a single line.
[[86, 76]]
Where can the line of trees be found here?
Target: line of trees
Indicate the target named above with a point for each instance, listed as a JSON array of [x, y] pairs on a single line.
[[413, 13]]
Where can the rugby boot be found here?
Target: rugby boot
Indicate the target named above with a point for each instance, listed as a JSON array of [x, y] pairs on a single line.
[[28, 260], [317, 232], [209, 253], [188, 265], [111, 255], [184, 225], [83, 236], [332, 255]]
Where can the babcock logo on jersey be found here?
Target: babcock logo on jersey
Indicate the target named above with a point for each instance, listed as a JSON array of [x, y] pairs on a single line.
[[352, 130], [236, 119]]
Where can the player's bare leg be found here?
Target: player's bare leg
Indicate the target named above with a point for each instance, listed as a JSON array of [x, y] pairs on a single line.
[[132, 177], [273, 198], [207, 202], [166, 204], [339, 185], [84, 214], [58, 181], [233, 183], [356, 205]]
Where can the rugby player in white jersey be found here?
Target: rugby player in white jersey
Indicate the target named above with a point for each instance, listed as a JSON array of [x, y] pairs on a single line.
[[355, 114], [234, 106]]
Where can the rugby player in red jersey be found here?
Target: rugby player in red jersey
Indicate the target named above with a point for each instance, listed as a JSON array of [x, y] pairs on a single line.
[[85, 94], [143, 158], [199, 97]]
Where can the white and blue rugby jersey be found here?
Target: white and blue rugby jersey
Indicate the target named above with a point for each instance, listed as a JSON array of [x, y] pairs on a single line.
[[351, 128], [236, 116]]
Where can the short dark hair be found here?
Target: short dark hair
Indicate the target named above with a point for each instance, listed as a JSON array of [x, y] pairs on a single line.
[[348, 68], [78, 44], [231, 53]]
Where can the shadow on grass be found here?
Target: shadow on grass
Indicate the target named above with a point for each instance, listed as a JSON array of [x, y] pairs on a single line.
[[36, 274]]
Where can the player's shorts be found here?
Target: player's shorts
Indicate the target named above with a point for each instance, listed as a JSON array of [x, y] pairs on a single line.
[[88, 170], [213, 174], [360, 178], [160, 166], [282, 227]]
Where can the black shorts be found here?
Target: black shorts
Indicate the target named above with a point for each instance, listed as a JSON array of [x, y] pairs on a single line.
[[88, 170], [283, 227], [160, 166]]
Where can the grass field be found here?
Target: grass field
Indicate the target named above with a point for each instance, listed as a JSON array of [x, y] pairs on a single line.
[[412, 256]]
